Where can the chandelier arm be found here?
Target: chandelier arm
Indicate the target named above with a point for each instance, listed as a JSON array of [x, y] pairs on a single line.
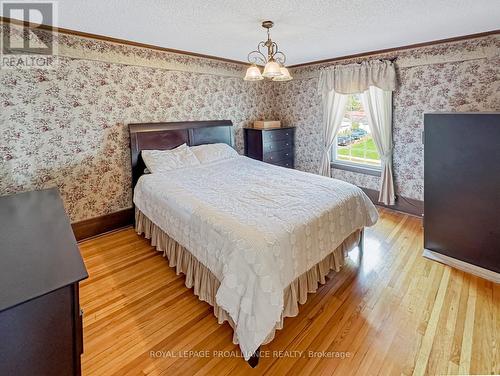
[[262, 44], [255, 57], [280, 57], [275, 50]]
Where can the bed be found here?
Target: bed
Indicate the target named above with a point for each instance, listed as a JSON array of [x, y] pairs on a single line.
[[252, 239]]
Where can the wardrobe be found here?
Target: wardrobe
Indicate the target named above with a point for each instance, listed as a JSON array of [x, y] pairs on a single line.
[[462, 191]]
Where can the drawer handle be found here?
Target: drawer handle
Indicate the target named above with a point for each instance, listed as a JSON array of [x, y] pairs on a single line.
[[271, 158], [286, 144], [286, 134], [286, 154]]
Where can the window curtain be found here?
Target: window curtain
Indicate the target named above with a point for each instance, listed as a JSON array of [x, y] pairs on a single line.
[[378, 106], [356, 78], [376, 80], [334, 106]]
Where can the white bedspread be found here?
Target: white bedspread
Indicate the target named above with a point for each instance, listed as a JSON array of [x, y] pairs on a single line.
[[256, 227]]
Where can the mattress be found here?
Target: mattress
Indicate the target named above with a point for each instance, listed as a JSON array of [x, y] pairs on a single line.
[[256, 227]]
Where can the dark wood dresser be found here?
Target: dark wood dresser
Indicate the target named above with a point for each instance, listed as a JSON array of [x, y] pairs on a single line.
[[275, 146], [40, 266]]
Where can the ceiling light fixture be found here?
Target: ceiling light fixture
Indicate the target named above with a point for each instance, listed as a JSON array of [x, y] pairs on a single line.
[[274, 62]]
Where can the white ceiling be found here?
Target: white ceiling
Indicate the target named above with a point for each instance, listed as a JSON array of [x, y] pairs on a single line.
[[306, 30]]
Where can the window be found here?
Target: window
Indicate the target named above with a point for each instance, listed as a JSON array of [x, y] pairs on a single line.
[[354, 144]]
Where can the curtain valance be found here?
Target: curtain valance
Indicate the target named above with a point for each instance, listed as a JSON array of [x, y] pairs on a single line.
[[356, 78]]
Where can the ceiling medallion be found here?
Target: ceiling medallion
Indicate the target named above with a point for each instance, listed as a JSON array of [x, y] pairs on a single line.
[[274, 62]]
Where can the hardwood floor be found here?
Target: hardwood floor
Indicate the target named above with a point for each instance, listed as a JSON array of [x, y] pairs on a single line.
[[389, 312]]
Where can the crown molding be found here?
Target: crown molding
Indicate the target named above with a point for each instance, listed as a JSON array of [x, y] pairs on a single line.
[[194, 54], [105, 38], [400, 48]]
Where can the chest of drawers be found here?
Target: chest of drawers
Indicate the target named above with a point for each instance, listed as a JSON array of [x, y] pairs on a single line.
[[40, 318], [275, 146]]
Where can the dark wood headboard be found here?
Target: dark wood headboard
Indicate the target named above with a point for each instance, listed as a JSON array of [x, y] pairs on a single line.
[[165, 136]]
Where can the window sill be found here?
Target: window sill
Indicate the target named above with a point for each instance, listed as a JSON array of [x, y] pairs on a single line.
[[359, 169]]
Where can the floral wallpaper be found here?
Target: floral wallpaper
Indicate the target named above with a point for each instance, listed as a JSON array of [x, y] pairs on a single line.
[[67, 127], [459, 76]]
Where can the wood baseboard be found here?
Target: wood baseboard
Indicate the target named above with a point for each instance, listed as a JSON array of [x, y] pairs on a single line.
[[403, 204], [462, 265], [105, 223]]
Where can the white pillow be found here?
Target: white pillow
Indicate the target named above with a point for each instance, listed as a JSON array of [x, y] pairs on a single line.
[[167, 160], [213, 152]]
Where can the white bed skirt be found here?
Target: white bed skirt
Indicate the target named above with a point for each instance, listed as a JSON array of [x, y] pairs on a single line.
[[205, 284]]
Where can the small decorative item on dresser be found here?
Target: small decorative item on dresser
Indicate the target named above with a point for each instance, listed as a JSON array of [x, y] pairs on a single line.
[[266, 124], [275, 146]]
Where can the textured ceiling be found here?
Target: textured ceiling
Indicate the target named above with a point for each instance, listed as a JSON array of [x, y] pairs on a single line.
[[305, 30]]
